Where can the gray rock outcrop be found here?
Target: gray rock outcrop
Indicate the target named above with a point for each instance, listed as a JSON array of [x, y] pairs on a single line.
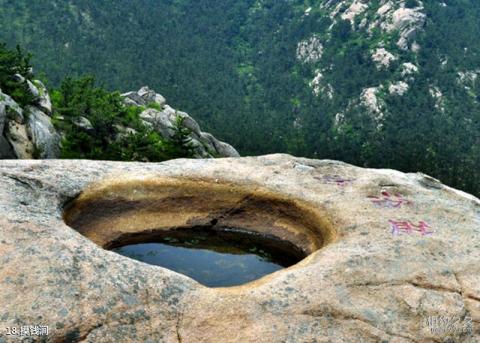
[[83, 123], [143, 97], [43, 135], [28, 132], [11, 108], [43, 100], [161, 117], [18, 139]]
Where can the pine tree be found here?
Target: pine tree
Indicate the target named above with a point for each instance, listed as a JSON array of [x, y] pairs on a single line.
[[180, 144]]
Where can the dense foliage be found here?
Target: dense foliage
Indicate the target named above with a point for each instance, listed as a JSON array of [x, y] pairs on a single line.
[[237, 73], [114, 131], [14, 63]]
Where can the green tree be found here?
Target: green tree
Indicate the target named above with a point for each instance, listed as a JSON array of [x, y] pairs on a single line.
[[180, 145], [15, 64], [108, 137]]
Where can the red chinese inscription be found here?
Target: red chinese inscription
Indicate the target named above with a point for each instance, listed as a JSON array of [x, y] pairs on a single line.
[[389, 201], [399, 226]]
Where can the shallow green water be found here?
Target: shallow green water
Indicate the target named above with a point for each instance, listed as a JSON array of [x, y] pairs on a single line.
[[214, 264]]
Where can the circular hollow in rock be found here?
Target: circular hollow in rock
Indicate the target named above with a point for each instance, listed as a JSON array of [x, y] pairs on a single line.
[[116, 213]]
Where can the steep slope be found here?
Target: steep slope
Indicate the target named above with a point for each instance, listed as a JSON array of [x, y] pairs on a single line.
[[398, 80]]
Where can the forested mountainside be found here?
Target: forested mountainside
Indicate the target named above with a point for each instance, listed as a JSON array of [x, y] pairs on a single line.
[[377, 83]]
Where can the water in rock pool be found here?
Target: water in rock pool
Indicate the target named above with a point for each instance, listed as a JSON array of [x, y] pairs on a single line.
[[214, 264]]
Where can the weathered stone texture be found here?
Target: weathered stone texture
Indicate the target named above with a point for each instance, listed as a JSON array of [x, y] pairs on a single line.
[[404, 248]]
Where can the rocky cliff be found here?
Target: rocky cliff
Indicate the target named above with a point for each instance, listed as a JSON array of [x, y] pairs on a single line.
[[28, 132], [391, 29], [162, 119]]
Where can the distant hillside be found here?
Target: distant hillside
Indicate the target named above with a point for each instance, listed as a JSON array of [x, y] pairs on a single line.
[[378, 83]]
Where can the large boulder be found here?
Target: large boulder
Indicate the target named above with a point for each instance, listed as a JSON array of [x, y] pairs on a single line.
[[132, 99], [225, 149], [83, 123], [39, 93], [19, 139], [159, 120], [201, 151], [33, 89], [217, 147], [189, 122], [28, 132], [143, 97], [14, 140], [44, 136], [43, 99], [163, 120], [392, 256], [148, 95], [205, 144], [13, 110]]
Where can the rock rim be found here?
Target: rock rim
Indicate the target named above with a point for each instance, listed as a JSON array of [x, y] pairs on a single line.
[[401, 249]]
